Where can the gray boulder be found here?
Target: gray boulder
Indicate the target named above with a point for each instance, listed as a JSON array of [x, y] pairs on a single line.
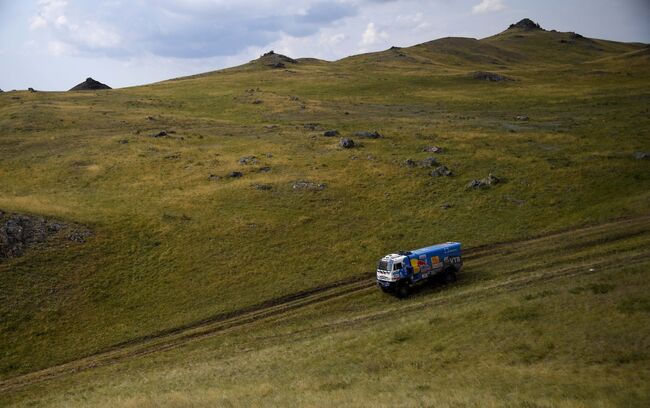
[[433, 149], [410, 163], [441, 171], [308, 185], [248, 160], [429, 162], [641, 155], [346, 143], [489, 76], [331, 133], [490, 180], [368, 135]]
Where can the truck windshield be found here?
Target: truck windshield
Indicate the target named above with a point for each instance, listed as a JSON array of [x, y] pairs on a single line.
[[383, 265]]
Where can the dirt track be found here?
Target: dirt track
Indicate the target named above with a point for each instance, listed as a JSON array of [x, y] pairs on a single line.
[[178, 336]]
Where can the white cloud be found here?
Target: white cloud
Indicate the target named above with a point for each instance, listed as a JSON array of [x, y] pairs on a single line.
[[412, 21], [58, 48], [372, 35], [487, 6], [332, 39], [37, 22]]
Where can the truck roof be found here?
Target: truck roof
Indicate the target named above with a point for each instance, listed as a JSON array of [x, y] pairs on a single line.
[[436, 247]]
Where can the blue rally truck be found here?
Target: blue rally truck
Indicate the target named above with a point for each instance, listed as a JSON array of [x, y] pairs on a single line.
[[398, 273]]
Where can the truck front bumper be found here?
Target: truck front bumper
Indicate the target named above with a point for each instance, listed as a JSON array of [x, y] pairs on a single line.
[[386, 285]]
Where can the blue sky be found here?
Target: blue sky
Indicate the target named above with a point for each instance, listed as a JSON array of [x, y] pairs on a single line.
[[55, 44]]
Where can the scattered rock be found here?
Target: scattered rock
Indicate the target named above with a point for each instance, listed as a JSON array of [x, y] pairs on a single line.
[[641, 155], [248, 160], [79, 236], [522, 118], [368, 135], [526, 24], [235, 174], [1, 90], [257, 102], [429, 162], [346, 143], [174, 156], [262, 187], [269, 155], [308, 185], [331, 133], [151, 118], [441, 171], [410, 163], [264, 169], [575, 36], [432, 149], [489, 76], [162, 133], [311, 126], [123, 141], [89, 85], [445, 206], [483, 183], [31, 89], [213, 177], [278, 65]]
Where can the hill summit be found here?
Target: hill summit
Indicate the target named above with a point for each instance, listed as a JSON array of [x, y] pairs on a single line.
[[89, 85], [526, 24], [275, 60]]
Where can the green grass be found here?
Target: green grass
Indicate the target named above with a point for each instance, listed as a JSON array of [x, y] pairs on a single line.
[[469, 344], [171, 247]]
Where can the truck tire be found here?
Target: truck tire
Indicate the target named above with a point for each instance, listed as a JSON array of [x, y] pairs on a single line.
[[449, 276], [402, 290]]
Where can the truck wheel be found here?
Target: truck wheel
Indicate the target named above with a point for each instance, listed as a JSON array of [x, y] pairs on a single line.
[[402, 291], [385, 289], [449, 276]]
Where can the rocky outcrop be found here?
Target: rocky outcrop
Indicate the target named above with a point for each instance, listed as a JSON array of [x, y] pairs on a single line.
[[274, 60], [89, 85], [489, 76], [19, 232], [525, 24]]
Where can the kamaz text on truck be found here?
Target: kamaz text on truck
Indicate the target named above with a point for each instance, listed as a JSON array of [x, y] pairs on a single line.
[[398, 273]]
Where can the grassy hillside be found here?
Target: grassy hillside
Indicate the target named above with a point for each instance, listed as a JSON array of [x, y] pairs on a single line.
[[565, 322], [172, 245]]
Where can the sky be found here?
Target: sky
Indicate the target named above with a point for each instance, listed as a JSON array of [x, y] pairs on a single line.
[[55, 44]]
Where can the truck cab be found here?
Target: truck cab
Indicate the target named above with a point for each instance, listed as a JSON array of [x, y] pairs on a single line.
[[399, 272]]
